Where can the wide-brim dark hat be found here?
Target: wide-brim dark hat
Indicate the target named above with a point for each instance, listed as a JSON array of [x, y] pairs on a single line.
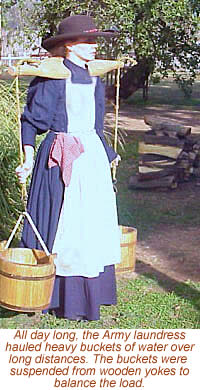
[[73, 27]]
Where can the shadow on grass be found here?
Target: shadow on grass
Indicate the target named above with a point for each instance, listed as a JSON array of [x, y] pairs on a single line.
[[10, 319], [183, 290], [4, 313]]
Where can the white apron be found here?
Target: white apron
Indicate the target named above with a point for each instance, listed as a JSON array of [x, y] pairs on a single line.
[[88, 236]]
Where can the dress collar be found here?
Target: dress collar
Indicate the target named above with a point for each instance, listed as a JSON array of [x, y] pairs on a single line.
[[79, 75]]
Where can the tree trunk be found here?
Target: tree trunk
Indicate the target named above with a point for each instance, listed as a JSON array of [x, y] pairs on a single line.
[[135, 78]]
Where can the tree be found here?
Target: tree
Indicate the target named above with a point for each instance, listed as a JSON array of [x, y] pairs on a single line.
[[162, 33], [17, 21]]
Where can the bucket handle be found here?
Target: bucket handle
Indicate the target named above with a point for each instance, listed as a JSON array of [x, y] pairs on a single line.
[[25, 214]]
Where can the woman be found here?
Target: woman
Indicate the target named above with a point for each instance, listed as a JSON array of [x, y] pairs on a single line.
[[71, 198]]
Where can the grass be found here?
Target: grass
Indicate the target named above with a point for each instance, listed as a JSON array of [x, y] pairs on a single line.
[[11, 203], [147, 209], [142, 303], [10, 197], [147, 301], [168, 93]]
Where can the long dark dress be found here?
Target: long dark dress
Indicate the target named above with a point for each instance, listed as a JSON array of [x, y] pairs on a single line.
[[73, 296]]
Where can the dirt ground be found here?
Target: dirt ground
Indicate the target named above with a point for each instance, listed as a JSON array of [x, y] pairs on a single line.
[[169, 252]]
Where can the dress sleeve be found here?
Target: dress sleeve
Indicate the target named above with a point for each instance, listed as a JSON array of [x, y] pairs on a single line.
[[39, 110], [99, 121]]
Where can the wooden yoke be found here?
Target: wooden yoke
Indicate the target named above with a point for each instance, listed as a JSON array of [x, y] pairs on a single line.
[[51, 67], [54, 68], [100, 67]]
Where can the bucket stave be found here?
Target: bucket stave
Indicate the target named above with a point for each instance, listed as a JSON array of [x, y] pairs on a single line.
[[26, 279], [128, 239]]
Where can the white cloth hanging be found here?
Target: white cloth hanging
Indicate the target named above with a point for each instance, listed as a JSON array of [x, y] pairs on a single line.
[[88, 236]]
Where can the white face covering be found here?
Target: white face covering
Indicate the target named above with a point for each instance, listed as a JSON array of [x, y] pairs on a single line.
[[81, 52]]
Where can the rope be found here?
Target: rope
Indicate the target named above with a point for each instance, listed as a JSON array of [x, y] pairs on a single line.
[[114, 168], [14, 231], [24, 193], [25, 214]]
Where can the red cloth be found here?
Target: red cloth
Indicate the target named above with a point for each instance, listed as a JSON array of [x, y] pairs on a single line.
[[64, 150]]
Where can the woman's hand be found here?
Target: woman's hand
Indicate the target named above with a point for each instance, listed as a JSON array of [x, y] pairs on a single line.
[[116, 161], [23, 171]]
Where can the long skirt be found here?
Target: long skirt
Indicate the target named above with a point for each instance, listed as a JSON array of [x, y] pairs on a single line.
[[87, 243]]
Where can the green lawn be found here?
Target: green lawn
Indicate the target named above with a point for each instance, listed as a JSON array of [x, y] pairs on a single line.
[[142, 303], [147, 209], [167, 92]]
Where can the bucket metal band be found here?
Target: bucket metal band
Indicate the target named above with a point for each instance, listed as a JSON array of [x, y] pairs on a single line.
[[29, 278], [23, 308], [128, 244]]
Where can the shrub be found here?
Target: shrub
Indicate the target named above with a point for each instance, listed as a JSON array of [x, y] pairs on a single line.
[[10, 192]]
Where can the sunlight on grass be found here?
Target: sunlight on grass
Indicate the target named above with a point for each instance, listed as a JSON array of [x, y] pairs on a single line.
[[167, 93]]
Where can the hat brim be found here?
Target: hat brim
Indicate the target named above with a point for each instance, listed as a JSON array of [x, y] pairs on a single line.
[[50, 43]]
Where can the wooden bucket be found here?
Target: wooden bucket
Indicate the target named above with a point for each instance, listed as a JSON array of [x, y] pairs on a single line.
[[128, 241], [26, 275], [26, 279]]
